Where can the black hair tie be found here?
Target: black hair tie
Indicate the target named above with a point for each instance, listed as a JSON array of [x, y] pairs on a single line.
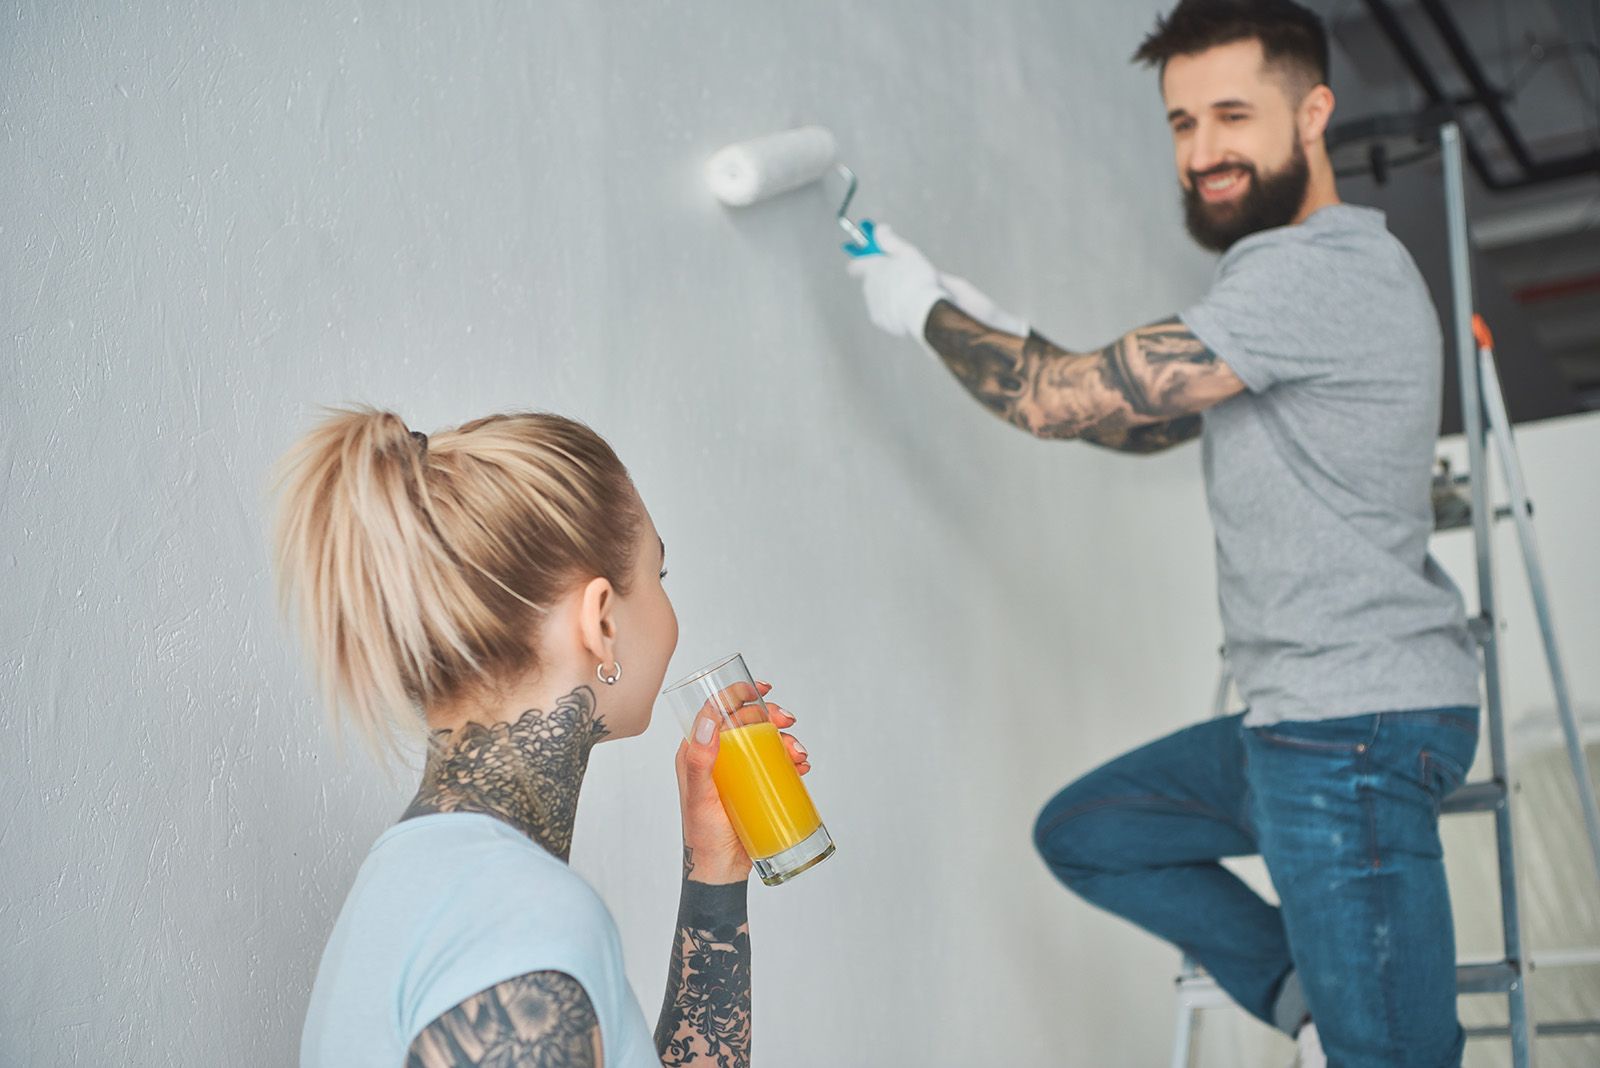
[[421, 439]]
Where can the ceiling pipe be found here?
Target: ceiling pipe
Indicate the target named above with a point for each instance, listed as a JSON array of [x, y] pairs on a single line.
[[1533, 172], [1487, 95]]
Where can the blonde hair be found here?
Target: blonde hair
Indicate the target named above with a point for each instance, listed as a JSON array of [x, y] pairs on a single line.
[[422, 566]]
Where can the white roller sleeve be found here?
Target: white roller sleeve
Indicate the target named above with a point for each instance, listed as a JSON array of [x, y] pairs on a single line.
[[749, 171]]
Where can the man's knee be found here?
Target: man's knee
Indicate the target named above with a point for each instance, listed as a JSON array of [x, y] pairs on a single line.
[[1063, 841]]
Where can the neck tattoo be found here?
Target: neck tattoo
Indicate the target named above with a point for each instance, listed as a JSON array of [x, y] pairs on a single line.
[[526, 773]]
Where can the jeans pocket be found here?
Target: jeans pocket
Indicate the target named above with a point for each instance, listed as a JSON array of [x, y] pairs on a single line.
[[1351, 734], [1446, 755], [1441, 774]]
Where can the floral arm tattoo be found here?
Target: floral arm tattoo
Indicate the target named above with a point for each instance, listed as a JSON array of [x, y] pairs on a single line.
[[541, 1019], [705, 1017], [1141, 393]]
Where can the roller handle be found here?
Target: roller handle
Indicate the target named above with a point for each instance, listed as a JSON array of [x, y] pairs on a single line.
[[866, 247]]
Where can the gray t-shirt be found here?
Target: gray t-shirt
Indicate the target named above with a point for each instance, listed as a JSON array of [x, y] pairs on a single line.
[[1318, 475]]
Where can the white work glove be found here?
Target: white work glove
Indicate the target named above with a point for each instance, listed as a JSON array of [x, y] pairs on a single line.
[[976, 303], [901, 288], [900, 284]]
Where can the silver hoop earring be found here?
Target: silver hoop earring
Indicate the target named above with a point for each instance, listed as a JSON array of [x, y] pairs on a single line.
[[611, 679]]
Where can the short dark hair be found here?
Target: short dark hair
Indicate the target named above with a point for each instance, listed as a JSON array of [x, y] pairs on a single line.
[[1291, 36]]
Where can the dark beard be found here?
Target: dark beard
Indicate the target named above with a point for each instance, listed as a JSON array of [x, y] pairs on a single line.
[[1272, 200]]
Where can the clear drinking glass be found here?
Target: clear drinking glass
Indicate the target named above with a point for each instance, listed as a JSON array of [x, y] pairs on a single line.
[[765, 800]]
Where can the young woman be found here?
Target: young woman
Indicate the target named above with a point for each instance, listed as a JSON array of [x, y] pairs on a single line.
[[504, 581]]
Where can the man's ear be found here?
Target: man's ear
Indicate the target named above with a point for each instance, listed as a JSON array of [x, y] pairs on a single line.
[[597, 621], [1315, 112]]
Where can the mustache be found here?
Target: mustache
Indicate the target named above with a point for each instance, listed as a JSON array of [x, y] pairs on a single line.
[[1196, 177]]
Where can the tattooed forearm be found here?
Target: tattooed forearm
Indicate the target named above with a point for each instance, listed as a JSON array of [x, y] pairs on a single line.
[[526, 773], [1000, 370], [542, 1018], [1145, 438], [1157, 374], [705, 1017]]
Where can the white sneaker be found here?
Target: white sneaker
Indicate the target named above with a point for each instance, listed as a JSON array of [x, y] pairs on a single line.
[[1308, 1048]]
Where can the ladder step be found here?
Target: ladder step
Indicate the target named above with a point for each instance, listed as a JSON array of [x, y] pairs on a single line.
[[1555, 1029], [1197, 990], [1488, 977], [1475, 797], [1452, 503], [1495, 977]]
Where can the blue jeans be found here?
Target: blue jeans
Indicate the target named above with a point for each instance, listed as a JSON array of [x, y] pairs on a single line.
[[1345, 812]]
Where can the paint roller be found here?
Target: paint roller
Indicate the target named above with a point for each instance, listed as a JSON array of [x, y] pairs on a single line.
[[751, 171]]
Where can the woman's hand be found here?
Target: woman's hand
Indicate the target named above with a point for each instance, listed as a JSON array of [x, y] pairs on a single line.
[[711, 849]]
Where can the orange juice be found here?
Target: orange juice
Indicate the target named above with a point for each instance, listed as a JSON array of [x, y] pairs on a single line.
[[766, 801]]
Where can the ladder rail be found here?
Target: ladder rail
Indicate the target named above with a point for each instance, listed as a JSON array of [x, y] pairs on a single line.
[[1522, 514], [1472, 412]]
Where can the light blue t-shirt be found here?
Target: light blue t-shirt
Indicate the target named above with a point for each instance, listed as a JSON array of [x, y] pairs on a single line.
[[446, 906]]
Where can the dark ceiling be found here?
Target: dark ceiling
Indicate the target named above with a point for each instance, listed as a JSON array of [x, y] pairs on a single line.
[[1523, 79]]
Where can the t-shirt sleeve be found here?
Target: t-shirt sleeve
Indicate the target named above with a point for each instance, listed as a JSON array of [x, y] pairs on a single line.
[[479, 944], [1265, 317]]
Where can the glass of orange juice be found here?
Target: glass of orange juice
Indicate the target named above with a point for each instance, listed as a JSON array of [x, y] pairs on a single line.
[[766, 802]]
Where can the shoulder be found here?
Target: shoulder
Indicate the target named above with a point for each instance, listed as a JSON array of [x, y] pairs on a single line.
[[467, 857], [1335, 266], [1356, 242], [542, 1017], [1337, 232], [517, 896], [495, 906]]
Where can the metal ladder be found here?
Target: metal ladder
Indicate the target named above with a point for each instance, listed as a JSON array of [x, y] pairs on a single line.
[[1484, 419]]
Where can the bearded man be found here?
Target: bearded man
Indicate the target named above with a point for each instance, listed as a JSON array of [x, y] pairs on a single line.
[[1311, 372]]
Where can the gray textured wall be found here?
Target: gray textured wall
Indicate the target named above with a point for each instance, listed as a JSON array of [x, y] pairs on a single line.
[[220, 215]]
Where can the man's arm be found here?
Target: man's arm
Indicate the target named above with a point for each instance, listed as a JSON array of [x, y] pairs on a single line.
[[539, 1018], [1141, 393], [705, 1016], [1146, 439]]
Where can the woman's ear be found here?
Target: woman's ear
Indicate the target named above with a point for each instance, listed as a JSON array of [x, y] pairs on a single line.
[[597, 621]]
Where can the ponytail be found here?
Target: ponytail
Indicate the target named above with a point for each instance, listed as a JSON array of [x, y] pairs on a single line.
[[422, 567]]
